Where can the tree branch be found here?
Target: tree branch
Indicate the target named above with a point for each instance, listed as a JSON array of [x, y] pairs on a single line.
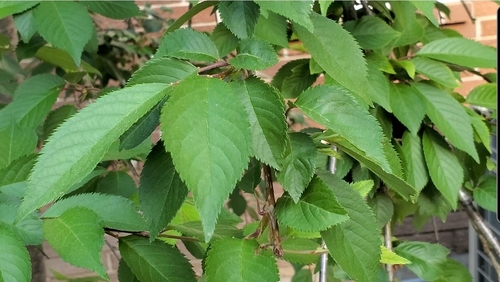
[[213, 66], [388, 245], [271, 203]]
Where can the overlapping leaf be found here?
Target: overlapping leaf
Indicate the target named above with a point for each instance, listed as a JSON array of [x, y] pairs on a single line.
[[117, 183], [18, 170], [406, 23], [427, 8], [55, 118], [407, 105], [412, 155], [113, 9], [240, 17], [162, 70], [224, 39], [16, 142], [188, 44], [425, 258], [485, 194], [379, 87], [371, 32], [15, 261], [272, 29], [25, 25], [435, 70], [254, 54], [13, 7], [29, 230], [297, 11], [484, 96], [293, 78]]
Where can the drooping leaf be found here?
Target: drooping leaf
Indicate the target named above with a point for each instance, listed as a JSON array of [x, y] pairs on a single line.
[[25, 25], [77, 236], [484, 95], [460, 51], [16, 142], [407, 105], [254, 54], [379, 90], [63, 59], [209, 139], [355, 244], [224, 39], [381, 61], [449, 117], [188, 44], [155, 261], [55, 118], [15, 261], [480, 128], [444, 169], [117, 183], [425, 258], [142, 129], [18, 170], [435, 70], [405, 65], [297, 76], [412, 155], [113, 9], [427, 8], [8, 8], [240, 17], [485, 194], [297, 11], [406, 23], [272, 29], [316, 210], [116, 212], [246, 263], [389, 257], [266, 112], [455, 271], [72, 156], [162, 70], [371, 32]]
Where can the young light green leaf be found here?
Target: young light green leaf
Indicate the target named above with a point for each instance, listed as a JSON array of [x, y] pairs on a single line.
[[316, 210], [116, 212], [435, 70], [65, 25], [460, 51], [188, 44], [484, 95], [266, 112], [406, 66], [113, 9], [16, 142], [224, 39], [371, 32], [427, 8], [206, 129], [412, 156], [8, 8], [240, 17], [449, 117], [247, 263], [363, 187], [18, 170], [379, 90], [117, 183], [406, 23], [25, 25], [15, 261], [55, 118], [297, 11], [452, 270], [161, 192], [297, 76], [324, 43], [485, 194], [407, 105], [355, 244], [254, 54], [324, 5], [389, 257], [298, 166], [272, 29], [155, 261], [425, 258], [77, 236], [79, 144], [162, 70], [444, 169]]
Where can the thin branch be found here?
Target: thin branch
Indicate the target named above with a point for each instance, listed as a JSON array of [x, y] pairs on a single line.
[[365, 5], [135, 175], [213, 66], [436, 233], [271, 203], [388, 245], [114, 233], [492, 257]]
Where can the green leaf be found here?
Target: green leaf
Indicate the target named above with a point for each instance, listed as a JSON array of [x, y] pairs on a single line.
[[224, 39], [62, 59], [116, 212], [354, 244], [298, 166], [125, 274], [444, 169], [450, 118], [371, 32], [18, 170], [8, 8], [455, 271], [161, 192], [272, 29], [114, 9], [29, 229], [254, 54], [363, 187], [195, 229], [484, 95], [297, 11], [292, 248], [266, 112], [162, 70], [324, 5], [480, 128], [251, 178], [425, 258], [88, 182], [117, 183], [138, 153], [240, 17], [383, 208], [460, 51], [382, 62], [79, 144], [16, 142], [412, 156], [407, 105], [142, 129], [316, 210], [247, 262], [406, 23], [379, 90], [155, 261], [293, 78], [209, 139], [188, 44], [485, 194], [436, 71], [65, 25], [15, 261], [427, 8], [78, 237], [56, 118], [389, 257], [25, 25]]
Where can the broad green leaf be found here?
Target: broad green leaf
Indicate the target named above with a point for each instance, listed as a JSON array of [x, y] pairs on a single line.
[[435, 70], [298, 166], [382, 62], [316, 210], [324, 5], [116, 212], [155, 261], [162, 70], [125, 274], [354, 244], [25, 25], [383, 208], [425, 258], [29, 229], [292, 248], [114, 9], [460, 51], [412, 156], [18, 170], [16, 142], [444, 169], [324, 43], [251, 178], [427, 8], [161, 192], [407, 105], [480, 128], [450, 118], [389, 257], [224, 39], [240, 17], [379, 87], [371, 32], [78, 237], [266, 112], [14, 192], [455, 271], [296, 11], [484, 95], [272, 29], [293, 78], [335, 108], [8, 8], [406, 23], [65, 25], [79, 144], [63, 59], [206, 129], [188, 44], [55, 118], [363, 187], [195, 229], [485, 194], [117, 183], [15, 261], [254, 54], [247, 262]]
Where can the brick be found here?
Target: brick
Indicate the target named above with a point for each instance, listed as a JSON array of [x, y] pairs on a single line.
[[488, 28], [467, 86], [206, 27], [205, 16], [489, 42], [483, 8]]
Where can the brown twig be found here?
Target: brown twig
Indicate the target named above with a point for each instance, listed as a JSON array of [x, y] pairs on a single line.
[[213, 66], [490, 254], [388, 245], [271, 203]]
